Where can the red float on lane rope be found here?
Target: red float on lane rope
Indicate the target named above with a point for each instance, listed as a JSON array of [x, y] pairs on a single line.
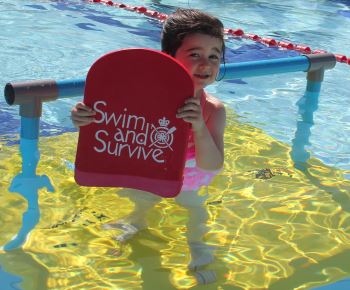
[[232, 32]]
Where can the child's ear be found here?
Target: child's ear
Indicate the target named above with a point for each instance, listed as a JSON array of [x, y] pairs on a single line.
[[220, 75]]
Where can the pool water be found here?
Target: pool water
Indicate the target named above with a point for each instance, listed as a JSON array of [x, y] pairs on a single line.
[[271, 225]]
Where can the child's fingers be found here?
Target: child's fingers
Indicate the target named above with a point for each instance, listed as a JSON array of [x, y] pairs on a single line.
[[193, 100], [82, 106], [82, 119], [81, 123], [82, 110], [191, 111], [82, 113], [189, 119], [190, 107], [187, 114]]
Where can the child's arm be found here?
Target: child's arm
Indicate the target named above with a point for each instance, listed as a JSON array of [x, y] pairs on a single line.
[[82, 115], [209, 134]]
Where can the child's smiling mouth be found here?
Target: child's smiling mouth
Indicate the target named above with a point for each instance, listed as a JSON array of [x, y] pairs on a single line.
[[202, 76]]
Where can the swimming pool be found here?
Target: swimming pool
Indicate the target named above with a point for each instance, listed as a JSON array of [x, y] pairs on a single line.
[[285, 232]]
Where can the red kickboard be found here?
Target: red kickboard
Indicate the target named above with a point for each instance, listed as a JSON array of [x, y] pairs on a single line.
[[136, 140]]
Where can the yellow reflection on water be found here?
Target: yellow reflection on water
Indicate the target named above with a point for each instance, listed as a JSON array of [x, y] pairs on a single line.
[[272, 226]]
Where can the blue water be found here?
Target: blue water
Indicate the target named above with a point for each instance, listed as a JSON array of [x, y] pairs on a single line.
[[341, 285], [9, 281], [61, 39]]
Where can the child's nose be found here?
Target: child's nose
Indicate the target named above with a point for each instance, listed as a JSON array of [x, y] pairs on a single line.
[[204, 62]]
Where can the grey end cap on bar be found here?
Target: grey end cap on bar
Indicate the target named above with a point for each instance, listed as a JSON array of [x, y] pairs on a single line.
[[30, 96], [26, 92], [318, 64], [321, 61]]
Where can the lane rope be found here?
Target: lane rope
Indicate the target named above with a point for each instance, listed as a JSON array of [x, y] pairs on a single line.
[[271, 42]]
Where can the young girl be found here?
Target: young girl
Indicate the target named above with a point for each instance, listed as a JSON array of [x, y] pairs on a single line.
[[196, 40]]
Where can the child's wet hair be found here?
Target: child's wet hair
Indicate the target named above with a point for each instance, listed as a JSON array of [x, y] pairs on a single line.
[[184, 22]]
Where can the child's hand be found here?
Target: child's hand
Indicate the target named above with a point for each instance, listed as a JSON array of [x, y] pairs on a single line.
[[191, 112], [82, 115]]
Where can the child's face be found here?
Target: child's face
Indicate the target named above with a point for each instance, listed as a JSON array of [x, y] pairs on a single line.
[[200, 54]]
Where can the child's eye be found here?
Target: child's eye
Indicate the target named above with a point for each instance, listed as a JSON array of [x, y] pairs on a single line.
[[214, 57], [194, 54]]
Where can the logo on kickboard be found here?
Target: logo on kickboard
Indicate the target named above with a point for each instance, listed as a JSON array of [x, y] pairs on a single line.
[[132, 135]]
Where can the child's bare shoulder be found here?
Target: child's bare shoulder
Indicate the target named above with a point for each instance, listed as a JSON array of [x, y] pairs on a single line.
[[214, 105], [214, 113]]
